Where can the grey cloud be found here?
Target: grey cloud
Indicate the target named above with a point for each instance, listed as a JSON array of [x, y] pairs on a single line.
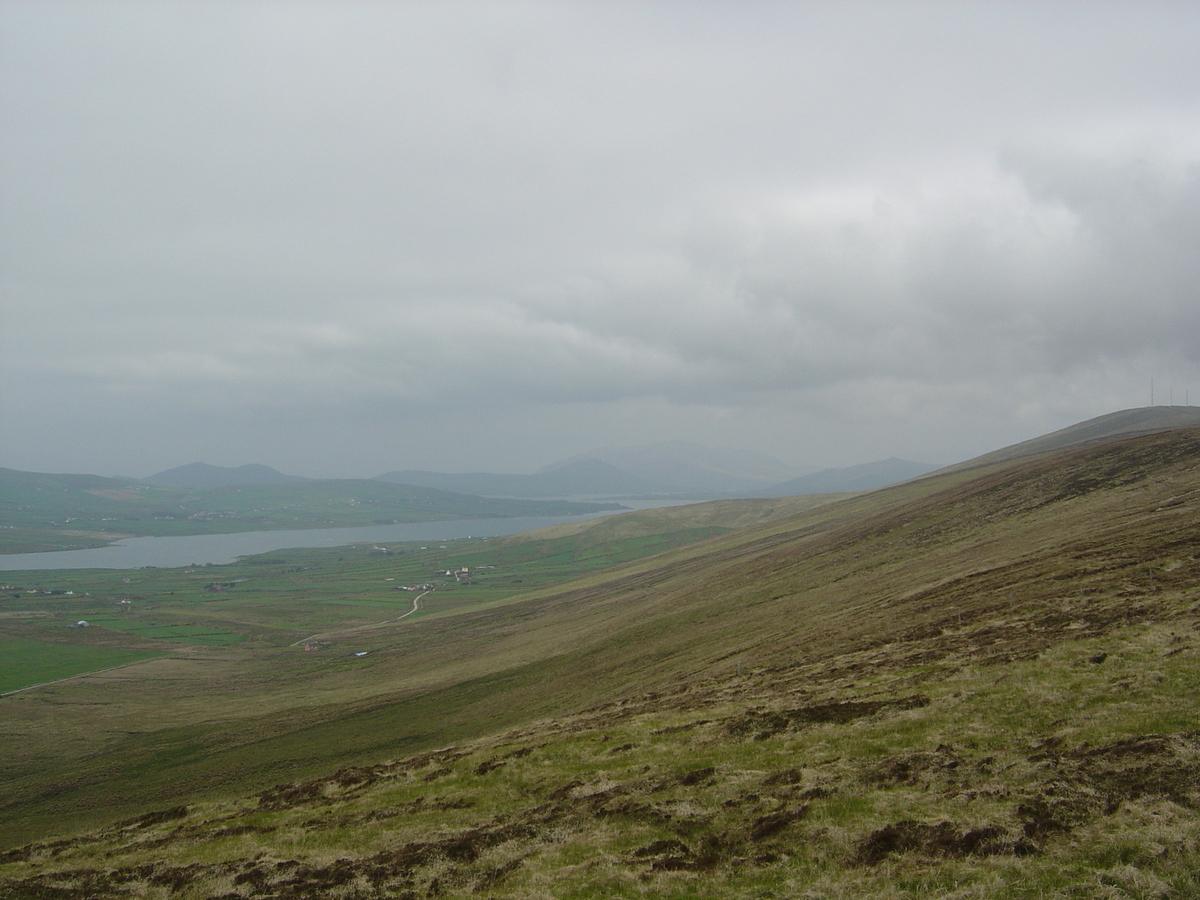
[[732, 215]]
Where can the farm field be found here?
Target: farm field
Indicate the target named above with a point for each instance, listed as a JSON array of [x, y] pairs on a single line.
[[26, 662], [979, 684]]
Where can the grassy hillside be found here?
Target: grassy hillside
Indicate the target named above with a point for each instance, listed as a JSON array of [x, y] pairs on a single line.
[[62, 512], [980, 684]]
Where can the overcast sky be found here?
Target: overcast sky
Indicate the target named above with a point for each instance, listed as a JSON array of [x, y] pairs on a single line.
[[343, 238]]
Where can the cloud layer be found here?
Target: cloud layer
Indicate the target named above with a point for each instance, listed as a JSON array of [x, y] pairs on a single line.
[[351, 238]]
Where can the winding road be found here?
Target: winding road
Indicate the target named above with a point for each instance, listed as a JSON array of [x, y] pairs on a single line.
[[416, 607]]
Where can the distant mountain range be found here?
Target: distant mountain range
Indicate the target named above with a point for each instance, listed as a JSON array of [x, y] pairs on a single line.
[[676, 467], [671, 468], [681, 468], [40, 511], [668, 468]]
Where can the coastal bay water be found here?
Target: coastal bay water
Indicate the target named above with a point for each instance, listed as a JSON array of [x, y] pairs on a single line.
[[218, 549]]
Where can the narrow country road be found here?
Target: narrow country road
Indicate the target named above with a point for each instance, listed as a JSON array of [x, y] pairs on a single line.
[[327, 634], [416, 606]]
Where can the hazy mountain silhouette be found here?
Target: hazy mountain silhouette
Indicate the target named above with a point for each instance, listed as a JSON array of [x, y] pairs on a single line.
[[202, 475]]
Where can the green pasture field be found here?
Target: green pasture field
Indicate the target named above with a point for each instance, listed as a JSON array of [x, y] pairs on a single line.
[[25, 662], [196, 634]]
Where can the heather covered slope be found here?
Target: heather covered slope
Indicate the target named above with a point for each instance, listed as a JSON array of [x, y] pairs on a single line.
[[982, 684]]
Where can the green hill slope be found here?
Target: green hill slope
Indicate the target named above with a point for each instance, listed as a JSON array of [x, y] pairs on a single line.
[[979, 684]]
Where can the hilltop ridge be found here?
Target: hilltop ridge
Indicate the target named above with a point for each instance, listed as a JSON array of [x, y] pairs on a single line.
[[1122, 423]]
